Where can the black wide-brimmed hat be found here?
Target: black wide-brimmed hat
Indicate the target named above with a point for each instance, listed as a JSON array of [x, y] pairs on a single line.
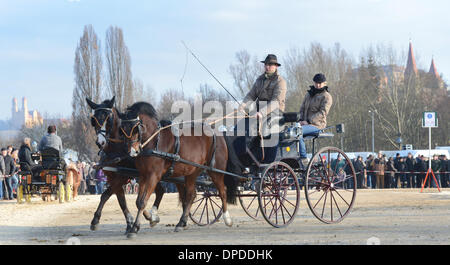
[[319, 78], [271, 59]]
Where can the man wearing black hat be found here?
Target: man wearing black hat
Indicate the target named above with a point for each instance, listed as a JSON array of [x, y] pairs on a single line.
[[314, 109], [269, 87]]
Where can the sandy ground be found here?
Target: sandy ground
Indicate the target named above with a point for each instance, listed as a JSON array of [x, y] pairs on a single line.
[[403, 216]]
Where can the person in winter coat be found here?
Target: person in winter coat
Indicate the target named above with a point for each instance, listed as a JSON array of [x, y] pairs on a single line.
[[390, 177], [314, 110], [410, 177], [26, 162], [378, 165]]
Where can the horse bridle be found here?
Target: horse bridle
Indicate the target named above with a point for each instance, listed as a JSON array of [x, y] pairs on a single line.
[[141, 128], [102, 131]]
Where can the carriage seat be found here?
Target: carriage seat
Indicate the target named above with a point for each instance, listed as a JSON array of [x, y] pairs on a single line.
[[51, 159], [318, 134]]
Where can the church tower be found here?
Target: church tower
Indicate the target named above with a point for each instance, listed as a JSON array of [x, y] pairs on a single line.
[[433, 71], [411, 67]]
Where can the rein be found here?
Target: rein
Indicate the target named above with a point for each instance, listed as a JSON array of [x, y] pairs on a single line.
[[157, 132]]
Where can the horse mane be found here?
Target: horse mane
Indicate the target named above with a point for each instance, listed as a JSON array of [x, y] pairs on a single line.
[[141, 108], [106, 103]]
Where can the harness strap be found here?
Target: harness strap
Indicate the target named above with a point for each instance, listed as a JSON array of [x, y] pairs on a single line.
[[212, 161], [170, 170]]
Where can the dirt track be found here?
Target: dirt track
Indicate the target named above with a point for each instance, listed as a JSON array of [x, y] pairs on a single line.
[[393, 216]]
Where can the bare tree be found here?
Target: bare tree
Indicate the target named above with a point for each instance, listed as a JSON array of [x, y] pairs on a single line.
[[88, 76], [119, 80], [166, 101], [244, 72]]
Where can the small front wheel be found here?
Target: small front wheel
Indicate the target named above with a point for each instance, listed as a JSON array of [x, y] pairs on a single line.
[[206, 208], [279, 194]]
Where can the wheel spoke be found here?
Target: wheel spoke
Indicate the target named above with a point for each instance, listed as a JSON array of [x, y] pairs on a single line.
[[287, 211], [203, 211], [336, 203], [319, 198], [325, 201], [342, 198], [212, 208], [198, 206]]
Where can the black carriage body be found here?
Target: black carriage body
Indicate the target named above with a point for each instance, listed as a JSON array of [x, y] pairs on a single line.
[[52, 173]]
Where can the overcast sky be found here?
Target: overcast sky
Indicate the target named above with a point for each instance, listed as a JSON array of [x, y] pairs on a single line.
[[38, 38]]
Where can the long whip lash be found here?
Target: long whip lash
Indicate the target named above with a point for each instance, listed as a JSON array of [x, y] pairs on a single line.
[[210, 72]]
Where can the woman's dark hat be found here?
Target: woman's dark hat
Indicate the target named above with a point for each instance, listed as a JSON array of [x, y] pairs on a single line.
[[271, 59], [319, 78]]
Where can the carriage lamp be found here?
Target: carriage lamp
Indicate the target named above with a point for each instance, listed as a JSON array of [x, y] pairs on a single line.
[[288, 149], [340, 128]]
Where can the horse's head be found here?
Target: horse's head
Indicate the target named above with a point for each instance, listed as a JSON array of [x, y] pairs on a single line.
[[136, 124], [102, 120]]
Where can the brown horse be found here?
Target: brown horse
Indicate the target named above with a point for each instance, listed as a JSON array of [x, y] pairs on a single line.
[[73, 178], [139, 123], [106, 123]]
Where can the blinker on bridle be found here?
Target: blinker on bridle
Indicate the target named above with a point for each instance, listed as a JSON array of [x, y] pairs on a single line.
[[107, 117]]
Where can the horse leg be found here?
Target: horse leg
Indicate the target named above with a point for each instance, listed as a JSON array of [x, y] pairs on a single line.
[[153, 216], [189, 196], [146, 188], [103, 198], [120, 194], [217, 179]]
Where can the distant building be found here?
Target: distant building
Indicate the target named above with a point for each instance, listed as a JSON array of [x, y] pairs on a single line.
[[21, 117], [24, 117]]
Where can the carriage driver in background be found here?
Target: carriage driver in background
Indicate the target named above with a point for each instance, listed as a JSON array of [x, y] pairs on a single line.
[[52, 140]]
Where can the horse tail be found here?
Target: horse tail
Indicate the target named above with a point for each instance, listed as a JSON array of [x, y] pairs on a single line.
[[231, 183]]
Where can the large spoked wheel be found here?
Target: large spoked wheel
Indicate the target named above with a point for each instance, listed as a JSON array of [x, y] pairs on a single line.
[[330, 185], [206, 208], [248, 198], [279, 195]]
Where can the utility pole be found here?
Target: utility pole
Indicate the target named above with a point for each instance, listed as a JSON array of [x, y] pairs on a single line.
[[373, 133]]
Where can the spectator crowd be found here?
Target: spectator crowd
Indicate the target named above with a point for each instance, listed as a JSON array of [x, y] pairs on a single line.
[[399, 172]]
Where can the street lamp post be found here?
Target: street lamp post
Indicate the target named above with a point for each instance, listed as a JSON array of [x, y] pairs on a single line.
[[373, 133]]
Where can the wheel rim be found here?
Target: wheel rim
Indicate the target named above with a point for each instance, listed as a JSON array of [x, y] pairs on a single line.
[[68, 192], [61, 192], [330, 187], [279, 195], [249, 202], [206, 208], [27, 193], [19, 194]]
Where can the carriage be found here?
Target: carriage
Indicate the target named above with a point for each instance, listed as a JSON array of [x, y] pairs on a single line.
[[270, 188], [49, 182]]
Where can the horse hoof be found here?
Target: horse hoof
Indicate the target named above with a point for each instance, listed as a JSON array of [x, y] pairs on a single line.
[[94, 227], [131, 235], [178, 229], [152, 224]]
